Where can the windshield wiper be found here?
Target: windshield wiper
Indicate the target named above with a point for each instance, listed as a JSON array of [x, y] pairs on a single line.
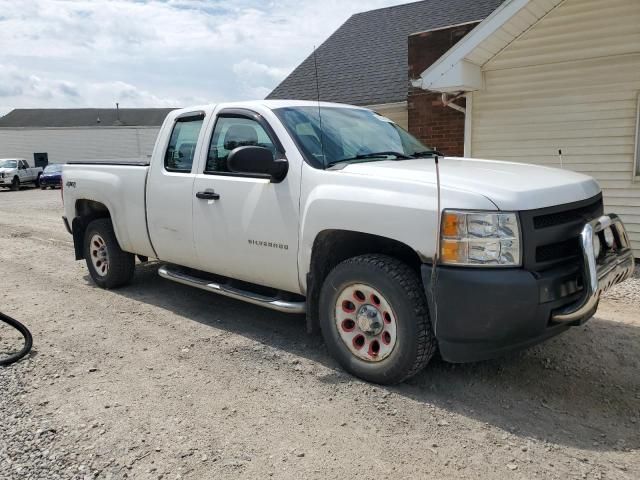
[[398, 155], [428, 153]]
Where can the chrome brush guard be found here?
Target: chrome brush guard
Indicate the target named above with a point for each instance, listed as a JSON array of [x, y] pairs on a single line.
[[614, 265]]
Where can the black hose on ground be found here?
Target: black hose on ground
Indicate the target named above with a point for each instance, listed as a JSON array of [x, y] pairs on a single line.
[[28, 340]]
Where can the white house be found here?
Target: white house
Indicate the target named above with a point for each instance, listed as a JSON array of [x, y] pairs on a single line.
[[60, 135], [542, 76]]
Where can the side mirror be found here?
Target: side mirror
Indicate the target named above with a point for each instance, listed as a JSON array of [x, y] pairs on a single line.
[[258, 160]]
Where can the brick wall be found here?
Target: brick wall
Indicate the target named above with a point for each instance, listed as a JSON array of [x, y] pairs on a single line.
[[429, 120]]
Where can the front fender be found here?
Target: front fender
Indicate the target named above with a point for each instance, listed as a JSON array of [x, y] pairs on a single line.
[[402, 211]]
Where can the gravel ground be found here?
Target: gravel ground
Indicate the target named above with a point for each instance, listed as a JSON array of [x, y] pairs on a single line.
[[161, 381], [628, 291]]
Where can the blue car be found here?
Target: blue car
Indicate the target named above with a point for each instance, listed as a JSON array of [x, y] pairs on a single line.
[[51, 176]]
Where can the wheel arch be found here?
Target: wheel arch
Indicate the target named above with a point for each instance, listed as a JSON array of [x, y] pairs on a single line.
[[333, 246], [86, 211]]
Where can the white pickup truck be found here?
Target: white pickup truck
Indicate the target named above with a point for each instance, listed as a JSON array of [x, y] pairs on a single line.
[[15, 172], [335, 211]]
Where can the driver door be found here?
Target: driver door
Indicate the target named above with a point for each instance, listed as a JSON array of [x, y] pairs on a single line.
[[245, 226]]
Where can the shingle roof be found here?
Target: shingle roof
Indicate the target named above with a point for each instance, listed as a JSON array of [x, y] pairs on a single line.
[[365, 61], [84, 117]]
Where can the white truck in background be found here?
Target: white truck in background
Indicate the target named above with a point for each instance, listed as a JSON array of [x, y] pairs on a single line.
[[15, 172], [335, 211]]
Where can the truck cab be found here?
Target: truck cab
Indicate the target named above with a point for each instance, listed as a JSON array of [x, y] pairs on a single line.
[[390, 249]]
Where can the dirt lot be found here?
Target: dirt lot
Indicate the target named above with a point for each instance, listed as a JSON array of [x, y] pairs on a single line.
[[158, 380]]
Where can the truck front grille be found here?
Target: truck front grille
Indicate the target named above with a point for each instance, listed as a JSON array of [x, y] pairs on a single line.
[[568, 216], [551, 235]]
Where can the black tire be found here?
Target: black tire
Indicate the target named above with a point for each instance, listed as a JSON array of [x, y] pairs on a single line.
[[402, 288], [121, 265], [15, 184], [43, 187], [37, 183]]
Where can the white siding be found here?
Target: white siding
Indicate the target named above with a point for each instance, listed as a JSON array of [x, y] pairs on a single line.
[[570, 83], [533, 11], [394, 111], [69, 144]]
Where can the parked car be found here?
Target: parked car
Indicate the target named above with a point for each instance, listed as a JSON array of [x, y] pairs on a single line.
[[15, 172], [336, 211], [51, 176]]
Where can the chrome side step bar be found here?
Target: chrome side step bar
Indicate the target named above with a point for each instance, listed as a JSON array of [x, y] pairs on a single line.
[[273, 303]]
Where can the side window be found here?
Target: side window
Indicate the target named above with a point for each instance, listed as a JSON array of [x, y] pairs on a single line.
[[230, 133], [182, 144], [23, 164]]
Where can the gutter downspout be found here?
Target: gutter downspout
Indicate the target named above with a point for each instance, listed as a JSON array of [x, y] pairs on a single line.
[[468, 124]]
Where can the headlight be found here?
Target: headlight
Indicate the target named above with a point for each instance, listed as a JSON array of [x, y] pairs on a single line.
[[480, 239]]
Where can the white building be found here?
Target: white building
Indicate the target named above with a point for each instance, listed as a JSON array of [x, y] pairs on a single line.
[[63, 135], [547, 75]]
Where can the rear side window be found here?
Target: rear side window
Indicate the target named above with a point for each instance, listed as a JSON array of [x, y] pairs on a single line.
[[182, 144]]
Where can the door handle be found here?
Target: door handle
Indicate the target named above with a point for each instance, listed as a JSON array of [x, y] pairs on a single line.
[[208, 195]]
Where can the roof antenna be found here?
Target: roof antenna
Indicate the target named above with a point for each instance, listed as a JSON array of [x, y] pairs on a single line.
[[315, 64]]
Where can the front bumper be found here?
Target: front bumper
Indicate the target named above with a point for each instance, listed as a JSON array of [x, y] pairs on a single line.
[[483, 313], [50, 181]]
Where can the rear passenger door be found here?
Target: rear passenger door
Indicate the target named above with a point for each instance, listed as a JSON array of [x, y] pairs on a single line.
[[249, 231], [169, 187]]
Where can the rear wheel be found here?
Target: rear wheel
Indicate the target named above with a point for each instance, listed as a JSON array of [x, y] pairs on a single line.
[[37, 183], [108, 264], [374, 319], [15, 185]]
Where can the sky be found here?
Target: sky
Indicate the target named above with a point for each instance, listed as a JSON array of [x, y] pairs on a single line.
[[93, 53]]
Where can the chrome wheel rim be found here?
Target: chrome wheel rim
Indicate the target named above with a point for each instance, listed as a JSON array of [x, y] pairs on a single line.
[[366, 322], [99, 255]]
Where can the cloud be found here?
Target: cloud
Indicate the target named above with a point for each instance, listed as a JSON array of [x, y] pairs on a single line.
[[33, 91], [58, 53]]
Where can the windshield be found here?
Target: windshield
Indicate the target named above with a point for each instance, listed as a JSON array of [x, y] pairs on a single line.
[[347, 135], [53, 168], [8, 163]]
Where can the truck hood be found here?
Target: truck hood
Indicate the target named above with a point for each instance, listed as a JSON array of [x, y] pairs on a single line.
[[7, 170], [509, 185]]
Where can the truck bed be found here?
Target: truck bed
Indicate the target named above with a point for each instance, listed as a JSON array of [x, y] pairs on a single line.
[[120, 185]]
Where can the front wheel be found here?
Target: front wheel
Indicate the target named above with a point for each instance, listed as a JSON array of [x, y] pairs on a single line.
[[374, 319], [108, 264], [15, 185]]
